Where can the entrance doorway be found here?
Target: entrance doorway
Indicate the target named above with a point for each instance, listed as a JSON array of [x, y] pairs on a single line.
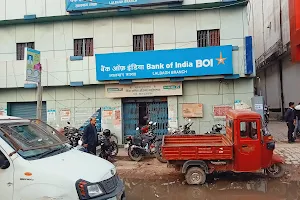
[[137, 111]]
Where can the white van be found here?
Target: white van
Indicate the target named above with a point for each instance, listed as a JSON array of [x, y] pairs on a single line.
[[36, 163]]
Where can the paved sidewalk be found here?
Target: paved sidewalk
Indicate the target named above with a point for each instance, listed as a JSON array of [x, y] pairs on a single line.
[[291, 152], [278, 130]]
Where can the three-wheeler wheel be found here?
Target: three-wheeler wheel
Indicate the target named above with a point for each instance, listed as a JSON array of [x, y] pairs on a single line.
[[277, 170], [195, 176]]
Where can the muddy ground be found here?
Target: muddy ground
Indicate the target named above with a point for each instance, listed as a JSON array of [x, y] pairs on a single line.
[[223, 188], [151, 168], [149, 179]]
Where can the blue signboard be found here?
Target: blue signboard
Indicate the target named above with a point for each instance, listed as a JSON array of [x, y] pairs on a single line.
[[82, 5], [165, 63]]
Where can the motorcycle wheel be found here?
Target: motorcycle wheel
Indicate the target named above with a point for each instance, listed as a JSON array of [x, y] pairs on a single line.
[[158, 152], [134, 154], [115, 149]]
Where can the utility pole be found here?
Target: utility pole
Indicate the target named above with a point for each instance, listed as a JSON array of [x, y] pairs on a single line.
[[39, 96], [34, 74]]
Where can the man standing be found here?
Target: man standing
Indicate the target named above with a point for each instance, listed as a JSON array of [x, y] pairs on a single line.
[[90, 137], [297, 113], [290, 121]]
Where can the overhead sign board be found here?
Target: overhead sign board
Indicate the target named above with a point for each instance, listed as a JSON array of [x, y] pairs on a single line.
[[84, 5], [165, 63], [143, 89], [33, 65]]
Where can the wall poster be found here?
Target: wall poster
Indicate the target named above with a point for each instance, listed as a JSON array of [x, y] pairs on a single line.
[[65, 115], [192, 110], [220, 111]]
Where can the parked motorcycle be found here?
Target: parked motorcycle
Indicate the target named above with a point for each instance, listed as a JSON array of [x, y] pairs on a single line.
[[108, 148], [113, 140], [142, 145], [216, 129], [185, 129], [107, 138], [73, 134]]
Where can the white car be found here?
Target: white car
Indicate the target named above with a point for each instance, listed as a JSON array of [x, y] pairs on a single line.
[[37, 163]]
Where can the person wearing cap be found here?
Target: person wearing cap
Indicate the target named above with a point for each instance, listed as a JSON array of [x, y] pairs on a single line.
[[289, 117]]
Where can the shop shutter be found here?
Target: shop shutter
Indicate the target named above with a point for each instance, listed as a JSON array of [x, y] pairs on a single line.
[[26, 110]]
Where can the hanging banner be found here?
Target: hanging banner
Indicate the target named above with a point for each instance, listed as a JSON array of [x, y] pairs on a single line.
[[192, 110], [33, 65], [143, 89]]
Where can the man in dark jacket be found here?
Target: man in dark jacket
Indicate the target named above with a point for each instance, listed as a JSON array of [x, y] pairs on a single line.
[[290, 117], [297, 113], [90, 137]]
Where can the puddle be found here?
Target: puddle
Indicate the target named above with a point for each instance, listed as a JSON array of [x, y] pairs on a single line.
[[228, 186]]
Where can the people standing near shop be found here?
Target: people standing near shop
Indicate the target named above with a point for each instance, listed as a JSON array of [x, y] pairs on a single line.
[[90, 138], [289, 117], [297, 113]]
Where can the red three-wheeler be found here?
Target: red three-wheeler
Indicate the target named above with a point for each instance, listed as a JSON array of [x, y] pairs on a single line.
[[246, 147]]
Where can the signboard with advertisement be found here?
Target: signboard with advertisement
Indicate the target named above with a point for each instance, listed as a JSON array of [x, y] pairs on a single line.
[[143, 89], [33, 65], [189, 62], [221, 111], [65, 115], [85, 5], [192, 110]]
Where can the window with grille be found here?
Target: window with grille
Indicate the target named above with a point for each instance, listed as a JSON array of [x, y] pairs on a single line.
[[143, 42], [83, 47], [208, 38], [21, 49]]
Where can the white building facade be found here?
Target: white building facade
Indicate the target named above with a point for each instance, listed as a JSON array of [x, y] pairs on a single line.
[[271, 23], [168, 60]]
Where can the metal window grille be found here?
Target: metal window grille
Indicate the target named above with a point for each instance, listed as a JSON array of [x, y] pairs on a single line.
[[202, 38], [214, 36], [208, 38], [21, 49], [143, 42], [148, 42], [89, 47], [78, 47], [84, 47]]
